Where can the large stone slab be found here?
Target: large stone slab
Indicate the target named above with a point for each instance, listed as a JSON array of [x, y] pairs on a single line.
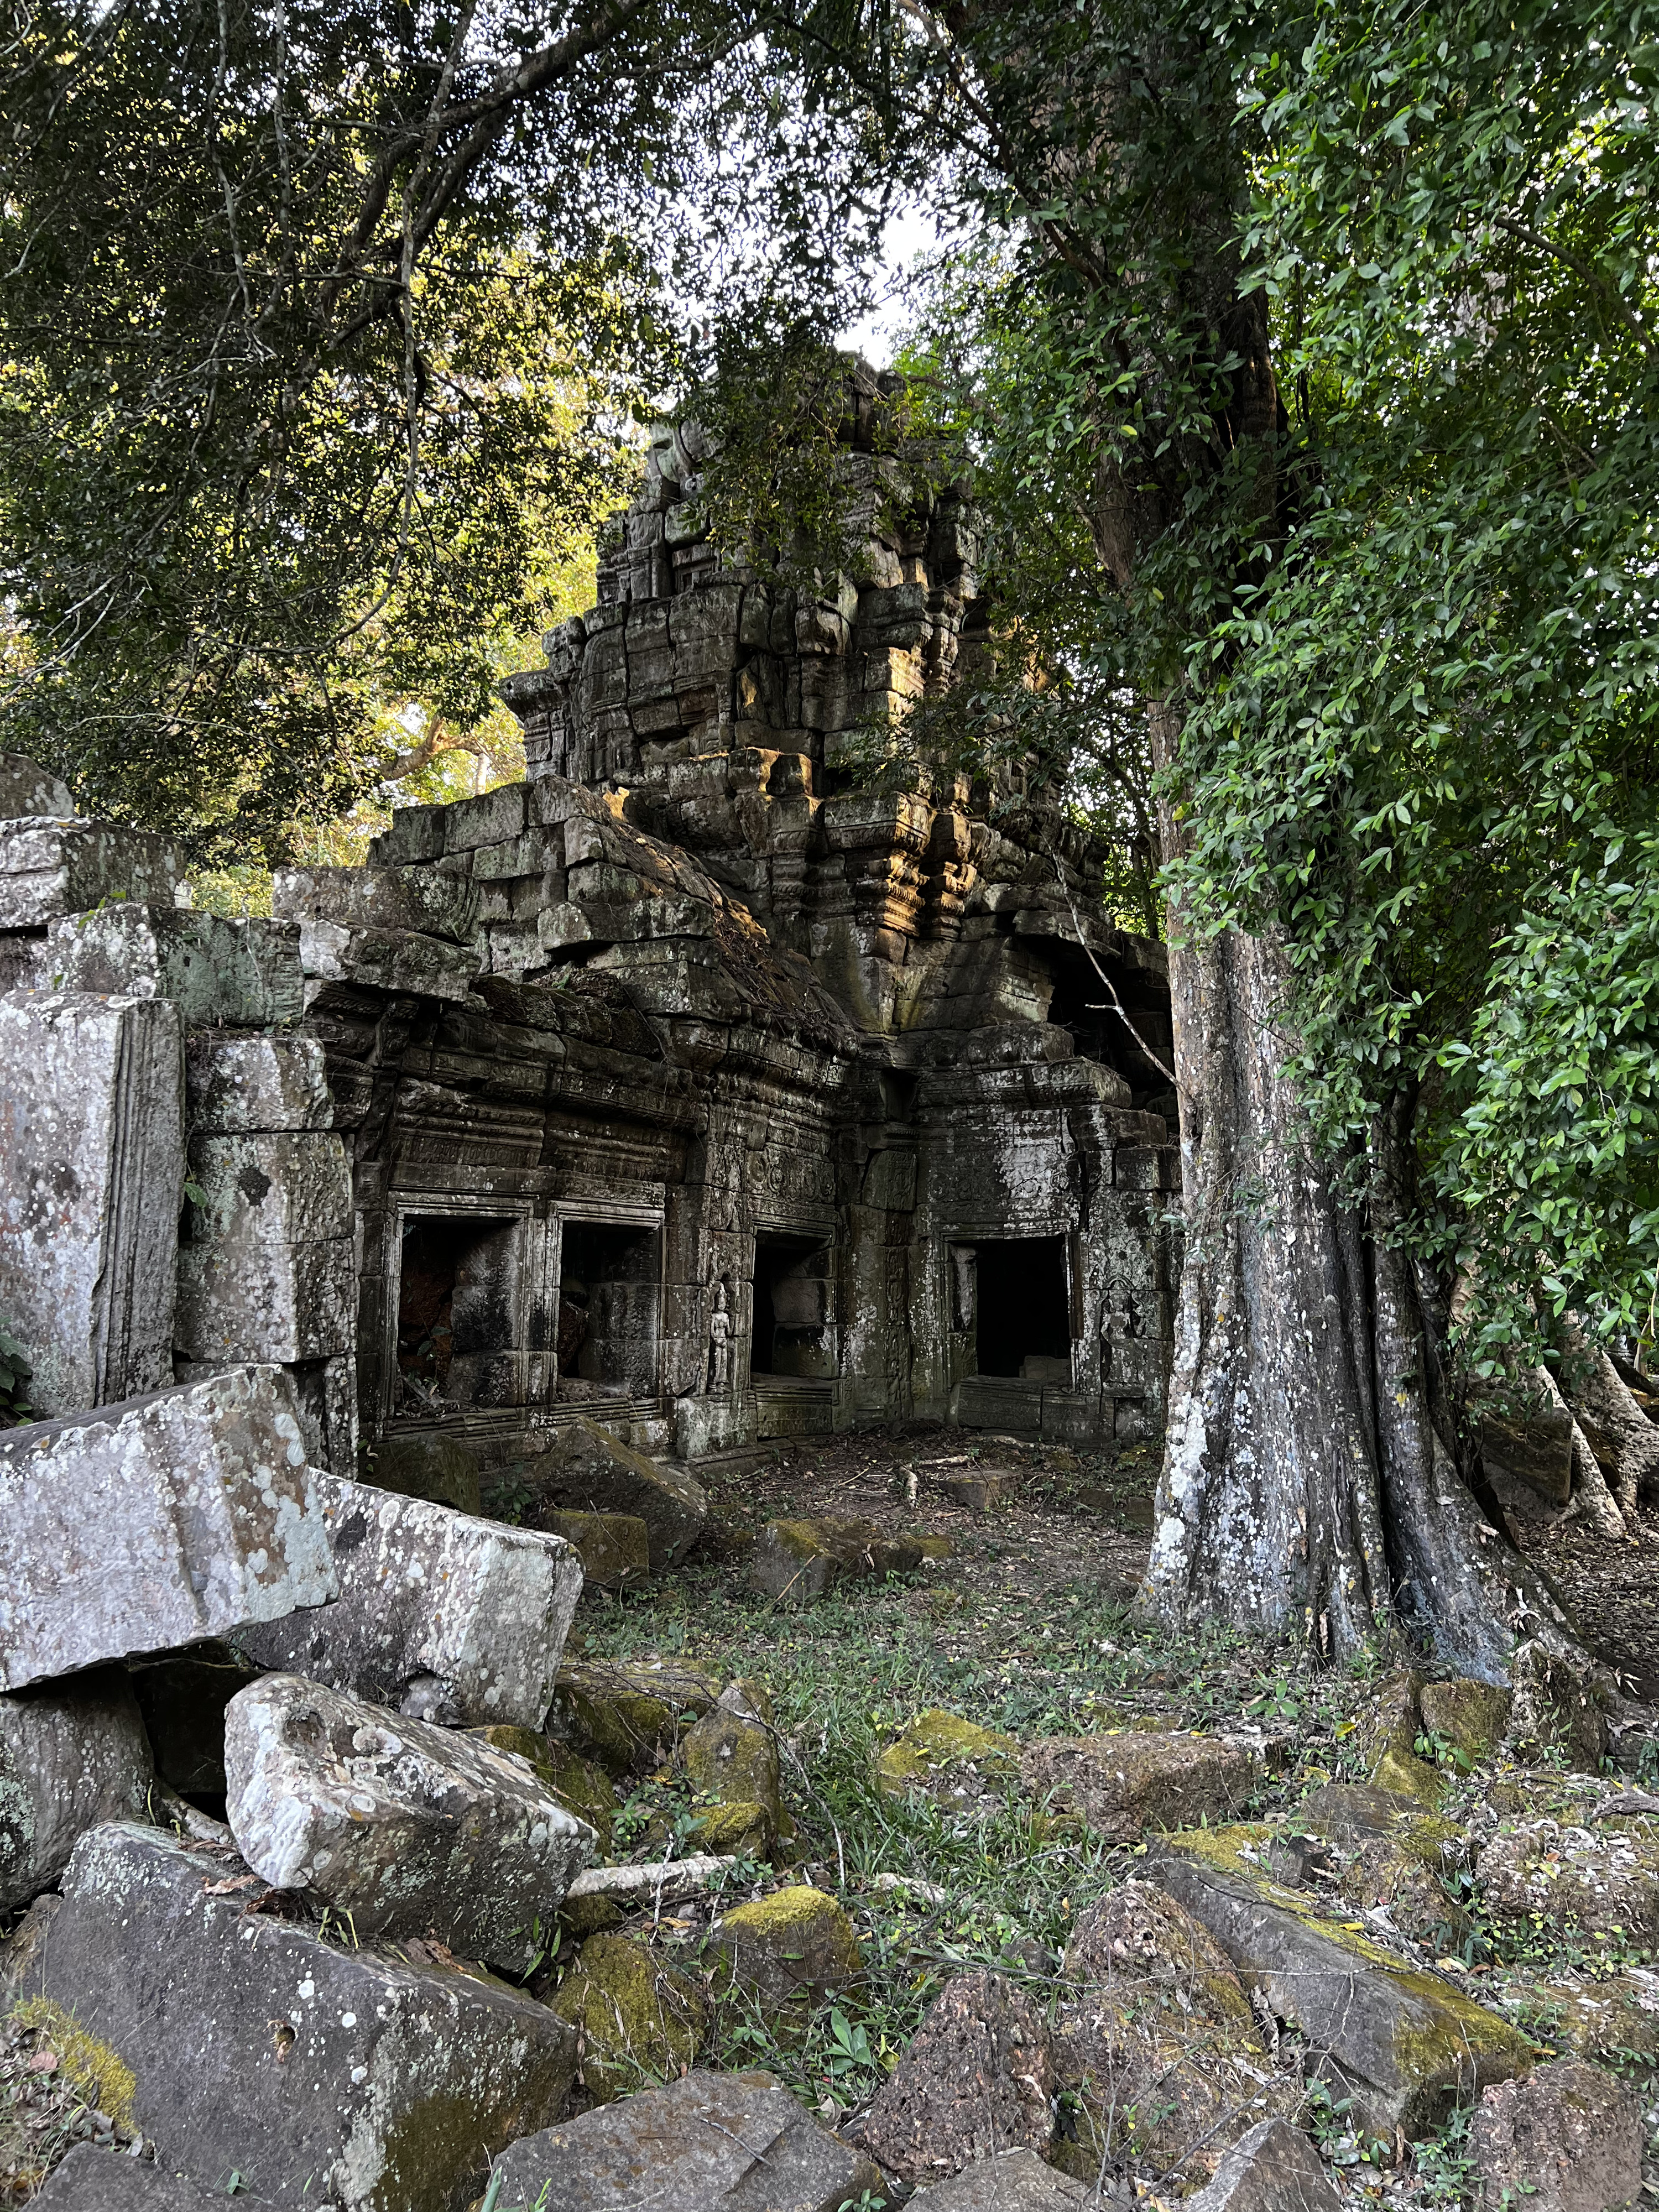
[[717, 2143], [71, 1755], [1404, 2045], [267, 1263], [155, 1523], [236, 1084], [27, 788], [322, 2073], [91, 1182], [91, 2179], [425, 900], [590, 1469], [216, 970], [440, 1614], [412, 1830], [50, 866], [1122, 1783]]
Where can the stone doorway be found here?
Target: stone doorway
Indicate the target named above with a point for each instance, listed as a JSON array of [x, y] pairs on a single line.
[[790, 1335], [1023, 1309], [458, 1297], [609, 1310]]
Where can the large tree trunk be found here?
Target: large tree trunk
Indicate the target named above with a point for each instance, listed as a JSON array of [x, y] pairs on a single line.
[[1311, 1478]]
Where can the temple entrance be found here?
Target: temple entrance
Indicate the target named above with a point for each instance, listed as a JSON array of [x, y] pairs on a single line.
[[1023, 1309], [790, 1335], [456, 1298], [609, 1310]]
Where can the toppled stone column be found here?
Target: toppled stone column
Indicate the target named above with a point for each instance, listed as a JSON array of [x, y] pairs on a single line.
[[71, 1755], [91, 1182], [441, 1616], [156, 1523], [321, 2074], [412, 1830]]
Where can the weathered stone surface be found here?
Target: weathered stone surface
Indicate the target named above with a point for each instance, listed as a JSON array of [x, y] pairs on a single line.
[[977, 2078], [588, 1468], [182, 1698], [1138, 1933], [1404, 2045], [1273, 2168], [1387, 1852], [615, 1548], [412, 1830], [1008, 2181], [439, 1468], [955, 1760], [1568, 2139], [267, 1265], [94, 2181], [1566, 1876], [27, 788], [704, 2142], [1401, 1774], [91, 1178], [800, 1560], [71, 1755], [638, 2022], [215, 970], [630, 1714], [796, 1943], [236, 1085], [440, 1615], [380, 898], [1556, 1710], [50, 867], [155, 1523], [399, 961], [731, 1756], [1124, 1783], [1470, 1717], [323, 2074], [1605, 2021]]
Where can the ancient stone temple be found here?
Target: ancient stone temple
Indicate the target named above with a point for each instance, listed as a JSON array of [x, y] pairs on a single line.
[[691, 1083]]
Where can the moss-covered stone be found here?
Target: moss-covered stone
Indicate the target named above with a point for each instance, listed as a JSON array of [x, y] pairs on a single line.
[[1402, 1774], [1139, 1939], [614, 1548], [640, 2022], [800, 1560], [435, 1468], [741, 1829], [1597, 1881], [1470, 1717], [582, 1916], [1389, 1719], [942, 1756], [1124, 1783], [629, 1715], [99, 2072], [796, 1941], [585, 1789], [1608, 2022], [734, 1762]]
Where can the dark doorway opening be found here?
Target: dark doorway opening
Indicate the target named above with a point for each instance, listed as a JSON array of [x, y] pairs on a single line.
[[791, 1331], [458, 1282], [1023, 1309], [610, 1304]]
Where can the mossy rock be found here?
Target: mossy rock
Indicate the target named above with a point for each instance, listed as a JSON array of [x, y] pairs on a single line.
[[797, 1942], [435, 1467], [936, 1547], [640, 2022], [741, 1829], [1402, 1774], [1471, 1717], [586, 1789], [614, 1548], [940, 1754], [801, 1560], [734, 1760], [629, 1715], [583, 1917], [1140, 1939], [1608, 2022], [1389, 1720]]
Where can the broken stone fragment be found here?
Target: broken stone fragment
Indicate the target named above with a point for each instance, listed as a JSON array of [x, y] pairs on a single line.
[[1568, 2139], [701, 2140], [796, 1943], [1138, 1933], [439, 1468], [1607, 2020], [629, 1714], [71, 1754], [1120, 1783], [1387, 1854], [93, 2180], [441, 1615], [1589, 1879], [156, 1523], [800, 1560], [942, 1755], [405, 1828], [91, 1182], [1010, 2181], [53, 866], [588, 1468], [638, 2022], [1471, 1717], [214, 970], [1272, 2169], [977, 2078], [321, 2072], [614, 1548], [1405, 2046], [425, 900], [27, 788], [731, 1756]]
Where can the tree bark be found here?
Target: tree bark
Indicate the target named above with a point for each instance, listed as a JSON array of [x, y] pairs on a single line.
[[1598, 1391]]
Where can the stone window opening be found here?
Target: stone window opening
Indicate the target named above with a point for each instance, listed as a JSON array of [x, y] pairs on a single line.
[[790, 1331], [609, 1310], [1022, 1308], [457, 1292]]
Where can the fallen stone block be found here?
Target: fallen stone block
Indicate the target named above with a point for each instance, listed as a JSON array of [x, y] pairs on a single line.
[[1565, 1875], [70, 1756], [1140, 1934], [615, 1548], [942, 1756], [1122, 1784], [91, 2179], [267, 1262], [440, 1615], [704, 2141], [638, 2022], [1470, 1717], [588, 1468], [213, 969], [801, 1560], [796, 1943], [27, 788], [731, 1756], [1273, 2168], [979, 1491], [1404, 2045], [977, 2078], [425, 900], [630, 1714], [320, 2072], [51, 865], [1011, 2181], [1568, 2139], [156, 1524], [236, 1085], [439, 1468], [408, 1829], [91, 1182]]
